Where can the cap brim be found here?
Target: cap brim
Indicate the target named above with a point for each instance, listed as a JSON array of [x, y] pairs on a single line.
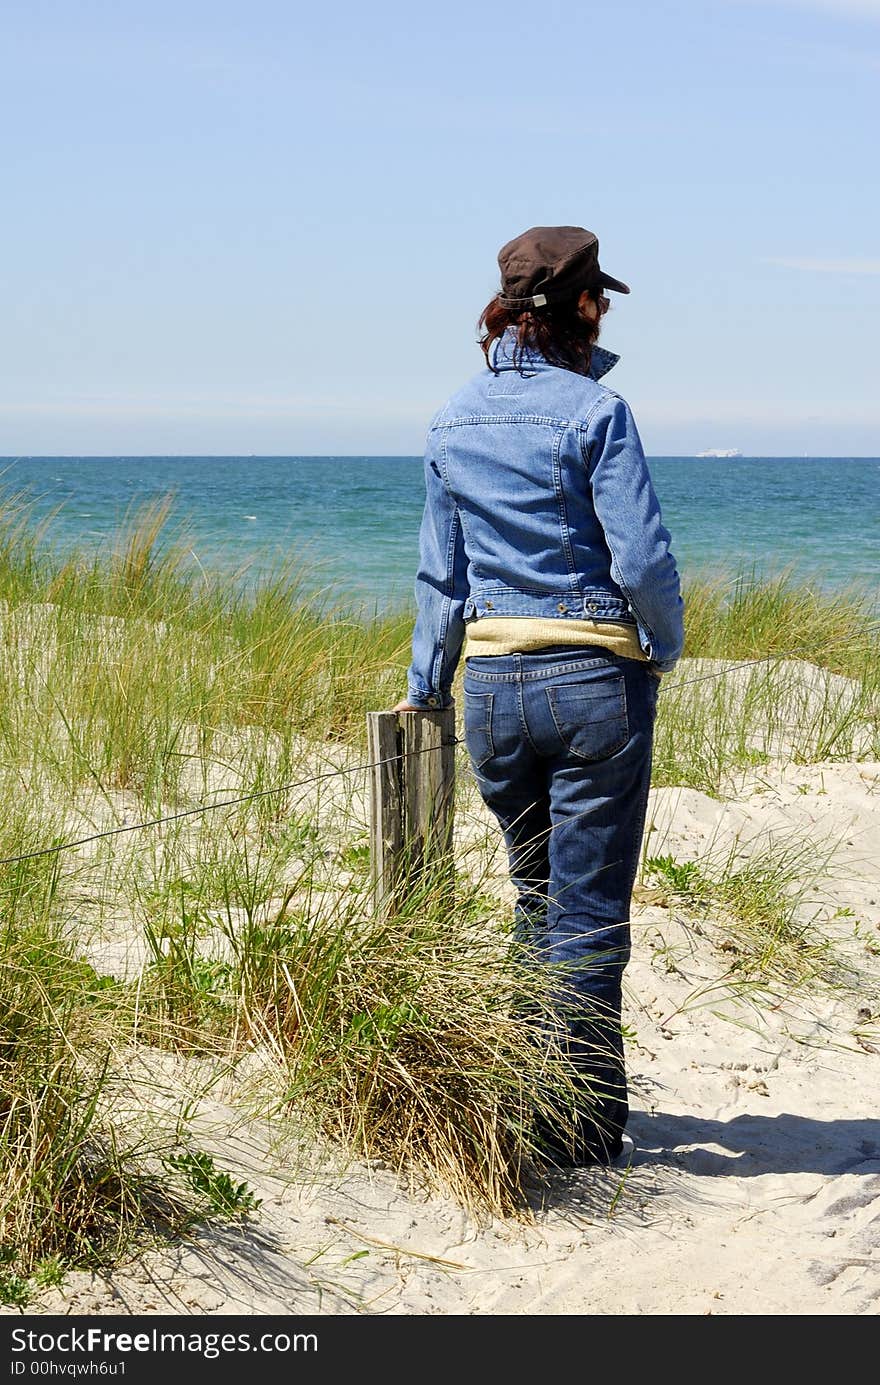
[[608, 283]]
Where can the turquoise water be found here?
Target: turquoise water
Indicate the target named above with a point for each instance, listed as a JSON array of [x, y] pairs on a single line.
[[355, 519]]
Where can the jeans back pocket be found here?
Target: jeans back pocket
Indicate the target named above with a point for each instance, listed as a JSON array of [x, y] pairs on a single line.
[[478, 727], [590, 716]]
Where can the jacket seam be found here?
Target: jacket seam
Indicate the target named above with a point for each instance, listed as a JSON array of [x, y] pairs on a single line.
[[632, 603], [444, 476], [603, 399], [615, 565], [449, 594], [548, 420], [563, 515]]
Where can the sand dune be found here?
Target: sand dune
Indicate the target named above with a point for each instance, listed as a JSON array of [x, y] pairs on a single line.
[[754, 1186]]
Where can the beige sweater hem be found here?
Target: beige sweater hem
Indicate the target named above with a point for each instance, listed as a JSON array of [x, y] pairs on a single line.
[[496, 635]]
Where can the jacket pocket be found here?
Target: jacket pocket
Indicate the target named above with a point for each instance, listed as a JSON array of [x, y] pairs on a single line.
[[591, 717], [478, 727]]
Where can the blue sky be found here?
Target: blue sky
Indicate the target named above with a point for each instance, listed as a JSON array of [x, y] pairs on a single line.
[[267, 227]]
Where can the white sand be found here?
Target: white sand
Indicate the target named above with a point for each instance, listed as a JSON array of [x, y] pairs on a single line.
[[754, 1188]]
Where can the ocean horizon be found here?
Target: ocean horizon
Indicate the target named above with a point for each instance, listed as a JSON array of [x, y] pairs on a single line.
[[351, 522]]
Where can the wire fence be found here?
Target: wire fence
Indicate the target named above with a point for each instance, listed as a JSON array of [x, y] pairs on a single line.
[[222, 803], [327, 774]]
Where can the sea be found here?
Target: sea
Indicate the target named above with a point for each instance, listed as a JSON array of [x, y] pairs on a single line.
[[350, 524]]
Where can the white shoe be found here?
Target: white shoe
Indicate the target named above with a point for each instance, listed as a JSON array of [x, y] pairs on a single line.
[[627, 1153]]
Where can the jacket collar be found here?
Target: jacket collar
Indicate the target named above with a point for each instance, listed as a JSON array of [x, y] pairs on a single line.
[[601, 361]]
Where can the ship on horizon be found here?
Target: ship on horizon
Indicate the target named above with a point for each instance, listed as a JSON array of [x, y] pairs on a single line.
[[720, 452]]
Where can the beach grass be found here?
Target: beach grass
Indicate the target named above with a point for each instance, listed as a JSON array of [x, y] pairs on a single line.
[[86, 1171], [130, 692], [753, 905], [396, 1037]]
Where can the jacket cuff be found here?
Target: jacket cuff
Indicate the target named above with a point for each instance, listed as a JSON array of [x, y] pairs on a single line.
[[427, 701]]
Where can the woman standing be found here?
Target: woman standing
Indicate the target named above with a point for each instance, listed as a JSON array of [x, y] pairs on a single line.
[[542, 546]]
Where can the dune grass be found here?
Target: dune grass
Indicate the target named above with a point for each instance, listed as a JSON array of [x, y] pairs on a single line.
[[746, 616], [80, 1181], [396, 1037], [740, 699], [752, 906], [130, 690]]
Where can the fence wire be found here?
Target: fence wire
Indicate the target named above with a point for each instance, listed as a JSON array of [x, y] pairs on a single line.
[[222, 803], [328, 774]]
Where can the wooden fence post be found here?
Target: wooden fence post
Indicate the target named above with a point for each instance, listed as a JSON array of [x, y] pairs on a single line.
[[412, 790]]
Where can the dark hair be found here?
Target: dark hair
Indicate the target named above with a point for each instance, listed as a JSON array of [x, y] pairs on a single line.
[[558, 332]]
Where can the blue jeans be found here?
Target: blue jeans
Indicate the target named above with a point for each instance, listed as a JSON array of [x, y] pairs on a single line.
[[560, 742]]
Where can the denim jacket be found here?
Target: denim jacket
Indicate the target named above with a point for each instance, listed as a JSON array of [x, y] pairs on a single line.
[[538, 503]]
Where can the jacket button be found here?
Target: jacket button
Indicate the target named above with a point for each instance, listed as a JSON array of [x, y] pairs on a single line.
[[593, 606], [561, 607], [433, 701], [489, 606]]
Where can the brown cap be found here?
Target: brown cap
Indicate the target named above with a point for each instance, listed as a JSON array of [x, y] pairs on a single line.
[[548, 264]]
